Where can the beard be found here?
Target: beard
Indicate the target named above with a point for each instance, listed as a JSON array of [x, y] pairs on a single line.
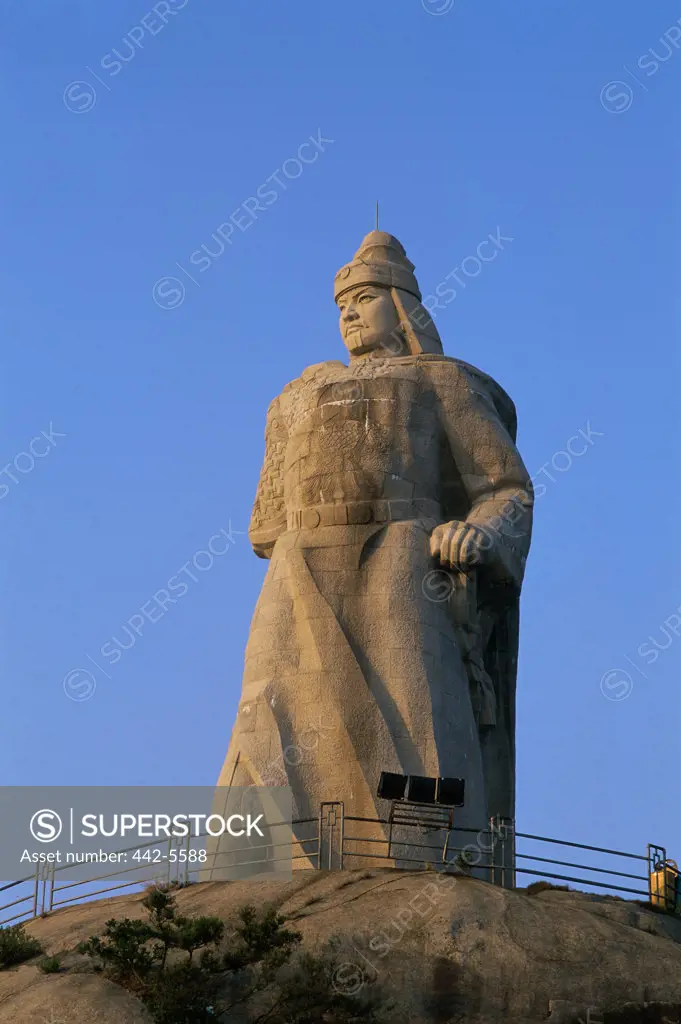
[[354, 341], [360, 341]]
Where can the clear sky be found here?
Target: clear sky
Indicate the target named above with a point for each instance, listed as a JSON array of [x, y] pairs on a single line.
[[466, 120]]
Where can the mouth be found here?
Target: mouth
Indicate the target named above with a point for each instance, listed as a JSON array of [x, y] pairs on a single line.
[[356, 327]]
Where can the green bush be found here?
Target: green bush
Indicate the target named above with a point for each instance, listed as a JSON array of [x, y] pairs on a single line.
[[183, 994], [464, 861], [122, 951], [254, 971], [50, 965], [542, 886], [16, 947]]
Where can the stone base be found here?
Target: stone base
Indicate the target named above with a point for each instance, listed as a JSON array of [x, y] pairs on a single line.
[[446, 948]]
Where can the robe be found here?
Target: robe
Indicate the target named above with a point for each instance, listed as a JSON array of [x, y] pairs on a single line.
[[366, 655]]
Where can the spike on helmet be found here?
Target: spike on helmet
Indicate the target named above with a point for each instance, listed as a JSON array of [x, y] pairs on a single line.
[[381, 261]]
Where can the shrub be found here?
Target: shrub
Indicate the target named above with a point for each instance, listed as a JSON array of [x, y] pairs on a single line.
[[464, 861], [50, 965], [183, 994], [259, 939], [253, 972], [16, 947], [310, 993], [542, 886], [122, 951]]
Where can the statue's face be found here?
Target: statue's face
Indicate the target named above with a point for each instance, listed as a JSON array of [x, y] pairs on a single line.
[[368, 320]]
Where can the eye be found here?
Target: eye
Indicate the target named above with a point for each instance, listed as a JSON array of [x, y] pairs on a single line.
[[366, 298]]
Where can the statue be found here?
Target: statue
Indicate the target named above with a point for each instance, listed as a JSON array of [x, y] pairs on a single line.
[[396, 514]]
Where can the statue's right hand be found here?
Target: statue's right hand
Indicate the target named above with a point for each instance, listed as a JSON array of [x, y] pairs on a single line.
[[458, 545]]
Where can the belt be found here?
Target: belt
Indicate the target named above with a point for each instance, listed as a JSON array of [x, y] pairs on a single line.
[[358, 513]]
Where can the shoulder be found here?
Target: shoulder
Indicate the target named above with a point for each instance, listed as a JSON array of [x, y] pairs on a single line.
[[309, 374], [456, 370], [297, 391], [313, 372], [456, 373]]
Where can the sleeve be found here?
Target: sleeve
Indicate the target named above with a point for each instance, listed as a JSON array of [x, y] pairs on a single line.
[[497, 485], [268, 519]]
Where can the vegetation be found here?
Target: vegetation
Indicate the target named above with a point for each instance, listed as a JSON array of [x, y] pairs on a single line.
[[194, 970], [464, 861], [542, 886], [50, 965], [16, 946]]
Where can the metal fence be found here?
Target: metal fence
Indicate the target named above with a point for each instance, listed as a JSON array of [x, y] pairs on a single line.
[[412, 837], [607, 874]]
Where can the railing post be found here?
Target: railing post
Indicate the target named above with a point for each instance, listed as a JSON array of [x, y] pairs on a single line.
[[186, 863], [36, 889], [510, 839], [390, 830], [329, 820], [342, 835], [493, 849], [319, 838], [50, 902], [657, 859], [505, 839]]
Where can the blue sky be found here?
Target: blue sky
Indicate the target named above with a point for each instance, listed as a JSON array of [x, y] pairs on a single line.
[[465, 120]]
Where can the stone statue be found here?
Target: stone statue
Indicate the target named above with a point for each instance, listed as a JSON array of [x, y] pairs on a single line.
[[396, 514]]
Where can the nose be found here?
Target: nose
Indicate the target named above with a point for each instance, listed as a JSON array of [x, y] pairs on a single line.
[[350, 313]]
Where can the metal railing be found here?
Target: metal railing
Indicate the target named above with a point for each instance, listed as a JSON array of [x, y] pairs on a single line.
[[412, 837], [43, 893], [607, 872]]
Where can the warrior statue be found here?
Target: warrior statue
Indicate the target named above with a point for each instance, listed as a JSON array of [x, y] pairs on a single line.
[[395, 512]]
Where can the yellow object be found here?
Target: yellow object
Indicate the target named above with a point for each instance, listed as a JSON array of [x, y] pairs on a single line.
[[665, 885]]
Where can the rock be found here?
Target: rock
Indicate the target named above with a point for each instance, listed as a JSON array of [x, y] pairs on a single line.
[[449, 949], [29, 997]]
